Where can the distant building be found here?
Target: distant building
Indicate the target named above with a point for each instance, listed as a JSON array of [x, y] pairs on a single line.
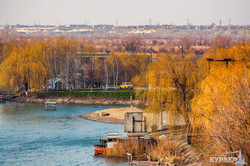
[[54, 83]]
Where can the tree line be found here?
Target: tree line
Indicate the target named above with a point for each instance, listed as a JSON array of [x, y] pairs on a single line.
[[30, 63], [211, 90]]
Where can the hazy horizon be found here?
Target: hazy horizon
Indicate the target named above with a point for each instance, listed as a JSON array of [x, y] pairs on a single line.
[[120, 12]]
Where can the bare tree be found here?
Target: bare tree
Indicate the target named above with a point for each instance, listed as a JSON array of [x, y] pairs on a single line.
[[132, 44], [220, 42]]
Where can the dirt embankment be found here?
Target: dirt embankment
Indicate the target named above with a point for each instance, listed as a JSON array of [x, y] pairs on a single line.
[[77, 100], [113, 115]]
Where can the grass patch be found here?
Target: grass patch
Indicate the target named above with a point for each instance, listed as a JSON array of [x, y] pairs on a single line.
[[113, 94], [119, 94]]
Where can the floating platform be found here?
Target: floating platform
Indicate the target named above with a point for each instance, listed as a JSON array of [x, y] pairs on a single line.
[[50, 105]]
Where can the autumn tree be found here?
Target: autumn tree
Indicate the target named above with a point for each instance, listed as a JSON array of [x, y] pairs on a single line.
[[33, 62], [221, 109], [25, 66], [172, 80], [122, 67], [133, 66], [52, 60]]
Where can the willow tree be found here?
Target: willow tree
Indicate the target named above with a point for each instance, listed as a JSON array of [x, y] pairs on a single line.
[[221, 112], [25, 66], [221, 109], [172, 80], [132, 65], [240, 51]]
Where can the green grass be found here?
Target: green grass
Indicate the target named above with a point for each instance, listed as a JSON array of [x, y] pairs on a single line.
[[118, 94], [113, 94]]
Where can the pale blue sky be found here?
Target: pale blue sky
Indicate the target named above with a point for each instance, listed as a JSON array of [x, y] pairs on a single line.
[[128, 12]]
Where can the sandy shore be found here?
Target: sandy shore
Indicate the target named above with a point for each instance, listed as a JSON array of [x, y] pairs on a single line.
[[116, 115]]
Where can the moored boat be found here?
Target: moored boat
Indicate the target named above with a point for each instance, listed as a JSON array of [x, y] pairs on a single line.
[[106, 142], [100, 149]]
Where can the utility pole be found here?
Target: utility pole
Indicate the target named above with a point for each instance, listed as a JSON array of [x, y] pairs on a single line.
[[220, 22]]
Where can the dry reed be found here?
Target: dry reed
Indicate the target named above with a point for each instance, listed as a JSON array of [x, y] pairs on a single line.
[[130, 146], [164, 148]]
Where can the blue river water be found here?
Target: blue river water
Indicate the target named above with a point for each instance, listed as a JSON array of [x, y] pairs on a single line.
[[29, 135]]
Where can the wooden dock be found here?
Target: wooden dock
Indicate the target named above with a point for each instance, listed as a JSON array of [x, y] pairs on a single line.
[[50, 105]]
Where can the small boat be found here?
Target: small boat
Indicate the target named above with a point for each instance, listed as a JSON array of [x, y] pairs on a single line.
[[100, 149], [106, 142]]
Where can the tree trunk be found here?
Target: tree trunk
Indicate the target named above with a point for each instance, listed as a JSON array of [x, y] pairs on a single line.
[[26, 86], [188, 131], [106, 74], [117, 73]]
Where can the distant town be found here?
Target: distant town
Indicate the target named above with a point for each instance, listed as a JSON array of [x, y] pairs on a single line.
[[112, 30]]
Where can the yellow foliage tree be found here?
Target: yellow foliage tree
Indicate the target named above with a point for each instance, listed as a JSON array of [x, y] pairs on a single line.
[[24, 66], [172, 80], [221, 111]]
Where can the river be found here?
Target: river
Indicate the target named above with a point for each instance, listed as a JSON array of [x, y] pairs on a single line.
[[29, 135]]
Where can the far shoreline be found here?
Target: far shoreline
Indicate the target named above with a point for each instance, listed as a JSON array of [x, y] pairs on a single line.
[[77, 100], [116, 115]]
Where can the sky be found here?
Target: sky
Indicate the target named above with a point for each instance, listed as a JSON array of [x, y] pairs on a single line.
[[124, 12]]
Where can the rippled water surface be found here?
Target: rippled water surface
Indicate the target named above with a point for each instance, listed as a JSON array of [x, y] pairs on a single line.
[[29, 135]]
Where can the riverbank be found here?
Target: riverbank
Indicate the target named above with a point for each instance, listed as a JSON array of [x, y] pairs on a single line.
[[114, 115], [87, 100]]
